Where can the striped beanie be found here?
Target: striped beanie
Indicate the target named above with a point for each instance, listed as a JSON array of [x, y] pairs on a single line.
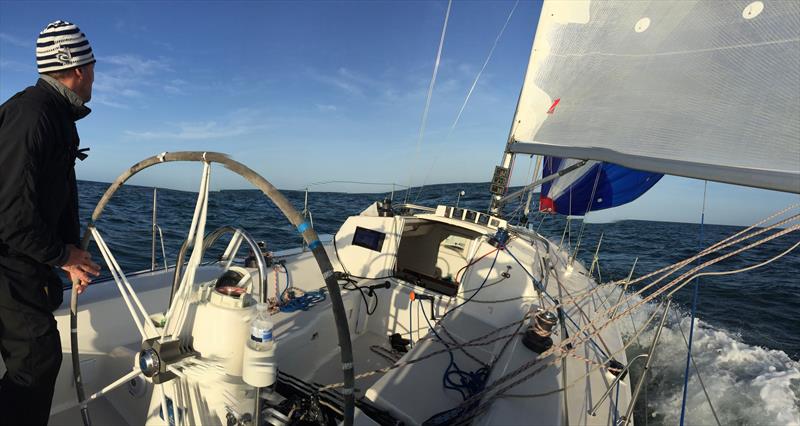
[[60, 46]]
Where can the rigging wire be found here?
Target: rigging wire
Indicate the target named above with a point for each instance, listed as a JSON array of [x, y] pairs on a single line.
[[558, 305], [469, 94], [588, 208], [695, 295], [430, 95], [577, 340], [727, 242], [697, 371]]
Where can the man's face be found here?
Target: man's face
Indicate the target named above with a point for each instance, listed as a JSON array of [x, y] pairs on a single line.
[[85, 81]]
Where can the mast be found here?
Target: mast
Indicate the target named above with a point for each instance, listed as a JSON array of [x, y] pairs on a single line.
[[502, 173]]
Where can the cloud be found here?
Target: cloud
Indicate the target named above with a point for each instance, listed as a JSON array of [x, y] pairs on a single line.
[[130, 28], [103, 100], [176, 87], [16, 41], [241, 122], [120, 79], [16, 66], [345, 80], [137, 64], [326, 108]]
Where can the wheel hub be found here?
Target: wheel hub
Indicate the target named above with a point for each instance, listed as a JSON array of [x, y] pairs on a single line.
[[156, 356]]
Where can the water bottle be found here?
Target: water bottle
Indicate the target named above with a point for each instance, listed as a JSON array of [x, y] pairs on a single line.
[[261, 330]]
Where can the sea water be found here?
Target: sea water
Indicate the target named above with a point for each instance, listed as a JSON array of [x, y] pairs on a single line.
[[746, 341]]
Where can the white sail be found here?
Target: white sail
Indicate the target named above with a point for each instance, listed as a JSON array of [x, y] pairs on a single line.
[[704, 89]]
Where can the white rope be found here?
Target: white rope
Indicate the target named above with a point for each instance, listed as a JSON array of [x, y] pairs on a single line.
[[430, 95], [736, 271]]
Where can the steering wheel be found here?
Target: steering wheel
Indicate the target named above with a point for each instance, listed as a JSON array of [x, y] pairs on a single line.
[[156, 353]]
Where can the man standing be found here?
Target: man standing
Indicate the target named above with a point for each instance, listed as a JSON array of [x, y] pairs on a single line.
[[39, 227]]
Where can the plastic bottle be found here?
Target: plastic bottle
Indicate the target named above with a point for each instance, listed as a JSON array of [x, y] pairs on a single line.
[[261, 330]]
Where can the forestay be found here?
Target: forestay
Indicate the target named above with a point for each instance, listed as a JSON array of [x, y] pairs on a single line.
[[708, 90]]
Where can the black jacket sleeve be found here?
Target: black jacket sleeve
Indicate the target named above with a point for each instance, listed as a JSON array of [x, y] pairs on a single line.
[[22, 228]]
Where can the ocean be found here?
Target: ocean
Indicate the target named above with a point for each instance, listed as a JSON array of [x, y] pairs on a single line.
[[746, 342]]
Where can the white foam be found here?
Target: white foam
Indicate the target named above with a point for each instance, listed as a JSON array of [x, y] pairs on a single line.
[[746, 384]]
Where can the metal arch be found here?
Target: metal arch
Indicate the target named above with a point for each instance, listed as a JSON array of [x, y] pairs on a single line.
[[296, 219], [208, 241]]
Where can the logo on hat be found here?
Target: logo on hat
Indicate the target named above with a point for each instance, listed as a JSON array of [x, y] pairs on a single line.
[[64, 55]]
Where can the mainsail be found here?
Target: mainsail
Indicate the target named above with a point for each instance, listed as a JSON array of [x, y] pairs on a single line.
[[702, 89], [594, 186]]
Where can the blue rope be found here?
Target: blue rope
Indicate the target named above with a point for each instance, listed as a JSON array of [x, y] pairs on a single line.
[[615, 401], [285, 269], [304, 302], [694, 311], [467, 383]]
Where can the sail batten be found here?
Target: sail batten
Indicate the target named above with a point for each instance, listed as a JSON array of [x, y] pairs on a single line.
[[707, 90]]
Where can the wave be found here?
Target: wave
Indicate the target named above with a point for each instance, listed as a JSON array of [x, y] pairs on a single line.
[[746, 384]]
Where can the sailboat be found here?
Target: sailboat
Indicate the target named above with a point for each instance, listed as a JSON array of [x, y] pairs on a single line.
[[425, 315]]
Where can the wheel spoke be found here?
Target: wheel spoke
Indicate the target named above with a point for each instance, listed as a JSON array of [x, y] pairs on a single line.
[[181, 399], [107, 256], [115, 384], [125, 288], [232, 249], [176, 315], [163, 397]]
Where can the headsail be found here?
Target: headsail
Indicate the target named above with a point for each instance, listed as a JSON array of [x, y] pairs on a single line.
[[707, 90], [593, 186]]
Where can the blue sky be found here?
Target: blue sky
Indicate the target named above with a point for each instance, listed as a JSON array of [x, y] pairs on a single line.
[[315, 91]]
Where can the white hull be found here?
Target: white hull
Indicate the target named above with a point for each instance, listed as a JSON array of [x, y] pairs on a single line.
[[307, 344]]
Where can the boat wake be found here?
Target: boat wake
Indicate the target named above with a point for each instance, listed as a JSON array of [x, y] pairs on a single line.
[[746, 384]]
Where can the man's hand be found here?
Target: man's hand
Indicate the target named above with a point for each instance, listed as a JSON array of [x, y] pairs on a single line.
[[79, 265]]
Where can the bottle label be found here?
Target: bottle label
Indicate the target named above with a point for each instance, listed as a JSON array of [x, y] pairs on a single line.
[[261, 335]]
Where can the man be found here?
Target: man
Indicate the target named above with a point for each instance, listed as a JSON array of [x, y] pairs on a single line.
[[39, 227]]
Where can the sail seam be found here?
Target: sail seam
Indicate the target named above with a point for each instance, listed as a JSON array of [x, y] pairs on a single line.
[[676, 52]]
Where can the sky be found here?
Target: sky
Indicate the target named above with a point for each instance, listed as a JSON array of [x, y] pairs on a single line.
[[309, 91]]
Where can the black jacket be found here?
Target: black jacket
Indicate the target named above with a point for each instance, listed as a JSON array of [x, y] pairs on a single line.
[[38, 195]]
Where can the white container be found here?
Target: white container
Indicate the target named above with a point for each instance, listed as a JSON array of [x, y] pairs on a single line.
[[260, 368]]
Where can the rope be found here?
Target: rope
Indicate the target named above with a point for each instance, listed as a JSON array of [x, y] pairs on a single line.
[[596, 367], [573, 340], [669, 270], [562, 349], [745, 269], [469, 343], [502, 393], [304, 302]]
